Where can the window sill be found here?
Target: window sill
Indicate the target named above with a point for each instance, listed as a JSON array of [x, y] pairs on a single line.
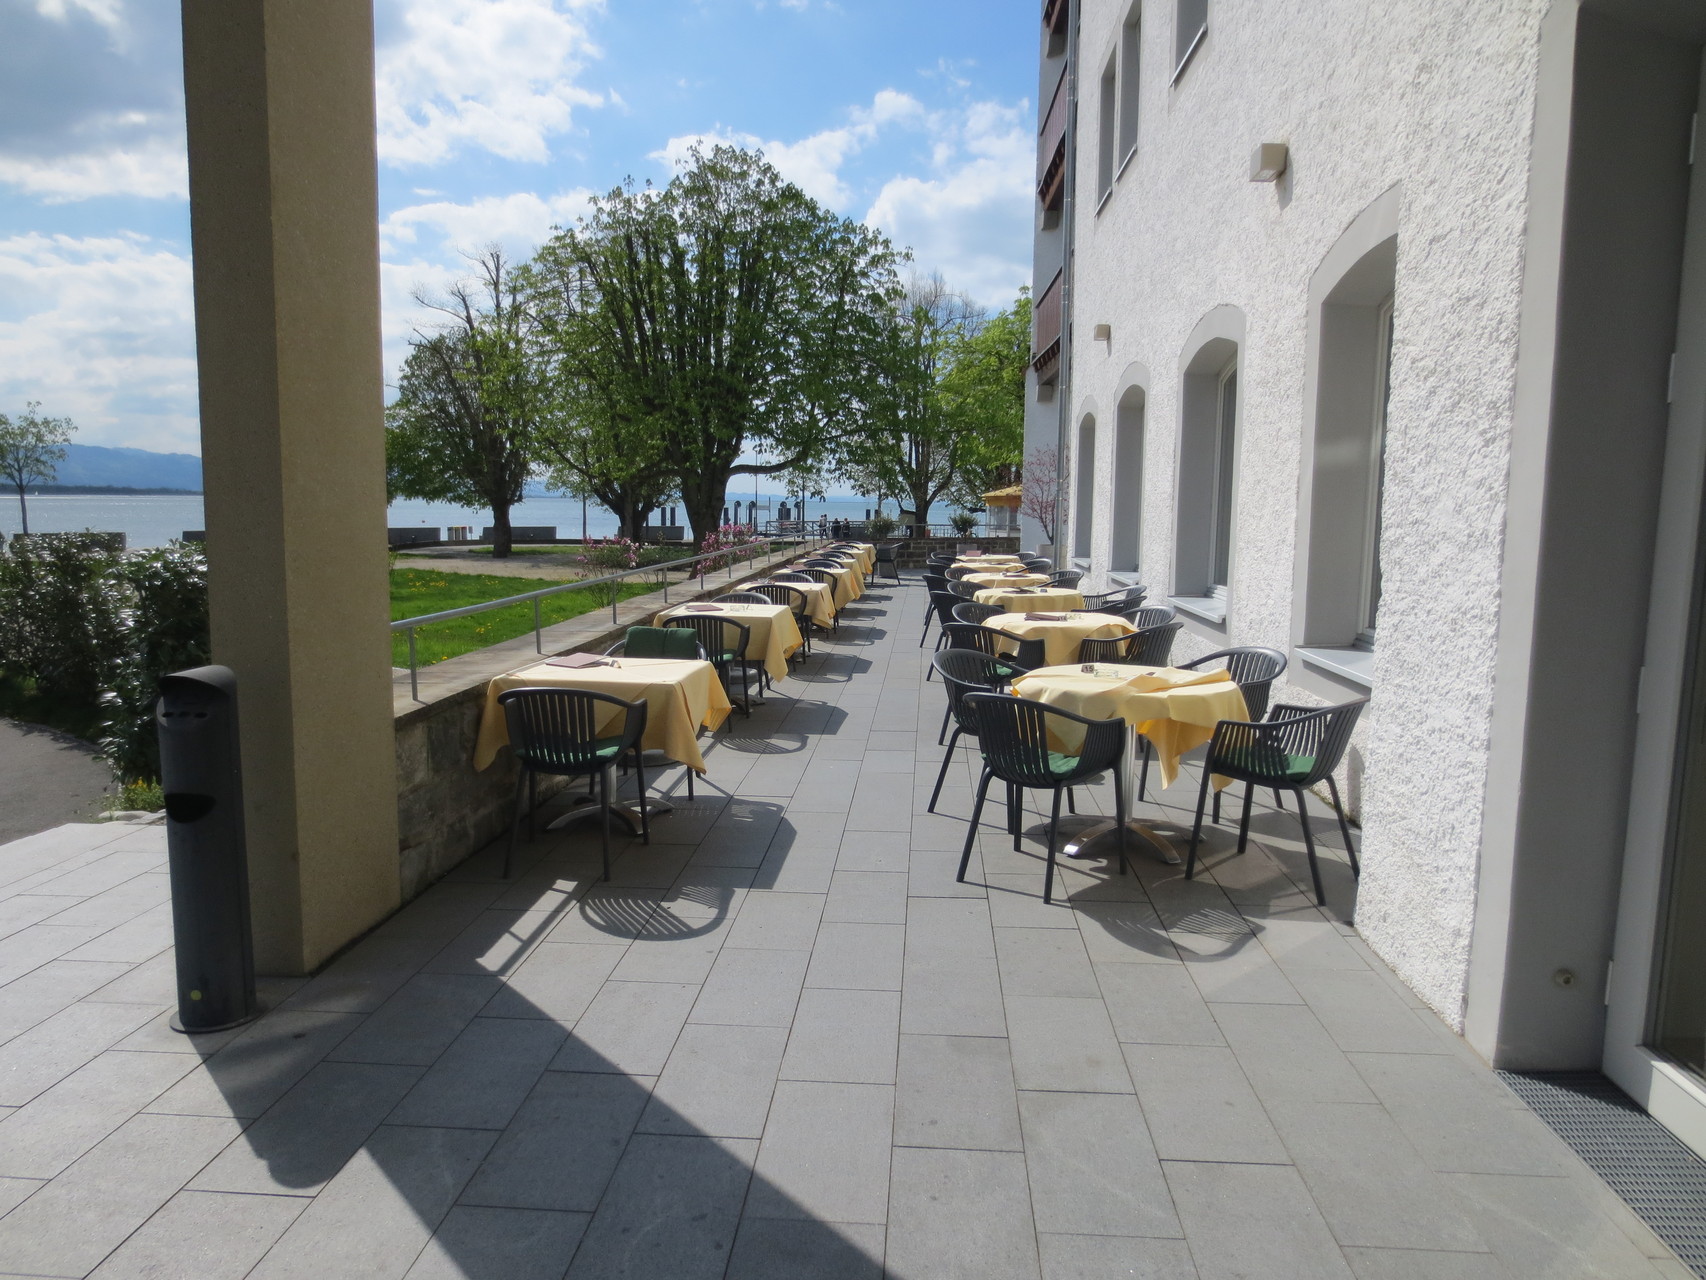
[[1203, 608], [1355, 665], [1102, 200], [1118, 579], [1125, 164]]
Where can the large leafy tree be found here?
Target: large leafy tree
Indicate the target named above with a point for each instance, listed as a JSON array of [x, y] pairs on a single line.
[[472, 400], [727, 314], [31, 448], [984, 387]]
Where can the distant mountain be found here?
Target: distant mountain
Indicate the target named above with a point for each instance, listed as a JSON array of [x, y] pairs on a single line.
[[91, 464]]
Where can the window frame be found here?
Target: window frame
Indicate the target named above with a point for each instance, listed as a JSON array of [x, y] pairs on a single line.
[[1369, 606], [1188, 33], [1107, 129], [1224, 477], [1130, 85]]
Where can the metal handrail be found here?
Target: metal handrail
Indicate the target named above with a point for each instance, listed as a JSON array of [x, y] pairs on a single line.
[[445, 615]]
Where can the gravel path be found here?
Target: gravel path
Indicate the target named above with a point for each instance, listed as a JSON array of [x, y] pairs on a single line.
[[46, 778]]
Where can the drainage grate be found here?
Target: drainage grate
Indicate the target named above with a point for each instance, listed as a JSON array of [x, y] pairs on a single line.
[[1655, 1175]]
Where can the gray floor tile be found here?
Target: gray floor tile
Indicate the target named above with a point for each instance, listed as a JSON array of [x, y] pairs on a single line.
[[630, 1027], [1288, 1056], [207, 1234], [1239, 973], [1200, 1106], [476, 1243], [956, 1091], [51, 1050], [1363, 1014], [717, 1082], [494, 943], [1092, 1167], [363, 978], [960, 1215], [866, 897], [777, 921], [1300, 938], [1156, 1004], [825, 1153], [1064, 1044], [951, 994], [558, 980], [67, 1227], [14, 1191], [1247, 1220], [844, 1036], [1044, 962], [484, 1076], [685, 957], [418, 1023], [41, 1139], [383, 1204], [257, 1068], [1425, 1264], [752, 988], [707, 893], [1124, 932], [1368, 1182], [672, 1210], [301, 1143], [1458, 1117], [874, 851], [1549, 1226], [1016, 902], [43, 992], [863, 956], [563, 1145], [1100, 1257], [786, 1249]]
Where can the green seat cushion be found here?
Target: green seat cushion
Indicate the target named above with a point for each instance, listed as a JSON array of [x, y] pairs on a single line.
[[1059, 763], [1270, 763], [604, 751]]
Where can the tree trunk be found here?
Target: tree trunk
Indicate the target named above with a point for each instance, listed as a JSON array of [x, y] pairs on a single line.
[[502, 539], [703, 503], [921, 507], [23, 510]]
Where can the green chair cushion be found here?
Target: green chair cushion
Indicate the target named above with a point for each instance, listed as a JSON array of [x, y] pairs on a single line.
[[604, 751], [661, 642], [1271, 764]]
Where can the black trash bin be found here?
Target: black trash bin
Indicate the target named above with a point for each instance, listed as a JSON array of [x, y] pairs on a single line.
[[201, 776]]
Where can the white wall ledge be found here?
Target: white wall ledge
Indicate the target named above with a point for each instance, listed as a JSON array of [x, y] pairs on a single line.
[[1355, 665], [1203, 608]]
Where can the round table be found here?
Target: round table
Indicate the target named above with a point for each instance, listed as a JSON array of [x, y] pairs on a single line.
[[1030, 599], [1174, 709], [1006, 579]]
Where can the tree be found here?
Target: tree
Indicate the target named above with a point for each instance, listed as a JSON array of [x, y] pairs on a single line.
[[1042, 499], [984, 385], [471, 401], [727, 313], [31, 449]]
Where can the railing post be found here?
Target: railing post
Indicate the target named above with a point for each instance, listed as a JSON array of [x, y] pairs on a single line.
[[414, 680], [538, 633]]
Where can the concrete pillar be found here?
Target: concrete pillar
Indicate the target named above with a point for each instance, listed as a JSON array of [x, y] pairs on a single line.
[[284, 221]]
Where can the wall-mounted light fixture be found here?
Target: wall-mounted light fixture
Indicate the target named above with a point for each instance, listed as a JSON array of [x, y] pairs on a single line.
[[1103, 333], [1268, 161]]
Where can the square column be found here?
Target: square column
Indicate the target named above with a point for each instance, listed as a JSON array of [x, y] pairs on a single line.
[[279, 96]]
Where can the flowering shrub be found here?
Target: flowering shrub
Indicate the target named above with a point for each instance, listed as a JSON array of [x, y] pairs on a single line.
[[732, 539], [610, 556]]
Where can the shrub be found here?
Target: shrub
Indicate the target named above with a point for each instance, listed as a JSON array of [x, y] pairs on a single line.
[[612, 556], [964, 522], [880, 526], [733, 539]]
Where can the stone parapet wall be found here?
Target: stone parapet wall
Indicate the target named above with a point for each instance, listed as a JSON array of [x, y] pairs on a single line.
[[916, 551]]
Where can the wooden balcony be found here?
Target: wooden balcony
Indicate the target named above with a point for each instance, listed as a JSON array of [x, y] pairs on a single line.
[[1046, 330], [1054, 19]]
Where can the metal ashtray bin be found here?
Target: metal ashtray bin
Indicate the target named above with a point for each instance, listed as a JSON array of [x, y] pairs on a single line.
[[201, 775]]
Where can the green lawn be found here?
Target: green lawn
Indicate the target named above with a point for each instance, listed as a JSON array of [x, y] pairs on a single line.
[[418, 591]]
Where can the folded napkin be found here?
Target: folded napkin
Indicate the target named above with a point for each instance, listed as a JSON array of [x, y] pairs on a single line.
[[705, 608], [1155, 679], [578, 660], [1046, 617]]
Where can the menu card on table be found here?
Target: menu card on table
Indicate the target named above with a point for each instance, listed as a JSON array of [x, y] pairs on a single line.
[[578, 660]]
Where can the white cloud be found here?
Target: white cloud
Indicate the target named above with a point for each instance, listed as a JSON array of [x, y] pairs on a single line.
[[519, 222], [101, 329], [109, 13], [153, 168], [496, 75]]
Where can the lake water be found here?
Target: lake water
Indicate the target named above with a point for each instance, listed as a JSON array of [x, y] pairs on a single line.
[[152, 520]]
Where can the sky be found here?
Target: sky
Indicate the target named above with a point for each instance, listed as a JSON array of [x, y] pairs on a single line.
[[496, 119]]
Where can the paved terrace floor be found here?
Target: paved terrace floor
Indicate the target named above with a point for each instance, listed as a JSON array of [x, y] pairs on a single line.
[[781, 1043]]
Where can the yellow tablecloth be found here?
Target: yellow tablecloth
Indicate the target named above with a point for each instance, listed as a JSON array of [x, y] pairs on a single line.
[[1176, 710], [1006, 579], [985, 562], [682, 696], [867, 556], [1031, 600], [849, 585], [773, 637], [1060, 639], [820, 601]]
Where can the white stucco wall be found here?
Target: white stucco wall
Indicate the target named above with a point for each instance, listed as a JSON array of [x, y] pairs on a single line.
[[1435, 97]]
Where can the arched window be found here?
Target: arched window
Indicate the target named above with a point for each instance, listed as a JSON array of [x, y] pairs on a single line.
[[1084, 489], [1344, 462], [1205, 543], [1125, 535]]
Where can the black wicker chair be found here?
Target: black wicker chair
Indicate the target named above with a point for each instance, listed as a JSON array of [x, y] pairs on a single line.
[[1068, 578], [940, 610], [657, 642], [1013, 735], [966, 671], [794, 598], [971, 611], [1026, 653], [1116, 601], [725, 643], [1154, 615], [964, 590], [955, 572], [741, 597], [1254, 670], [1294, 748], [556, 731], [1147, 646], [1038, 564], [888, 559]]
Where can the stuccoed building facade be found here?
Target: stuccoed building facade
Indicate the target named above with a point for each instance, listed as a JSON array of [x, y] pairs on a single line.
[[1375, 332]]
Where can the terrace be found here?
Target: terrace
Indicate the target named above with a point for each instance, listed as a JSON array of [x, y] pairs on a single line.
[[781, 1041]]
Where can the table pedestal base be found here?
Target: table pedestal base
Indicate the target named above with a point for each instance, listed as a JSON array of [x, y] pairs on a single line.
[[1160, 838], [585, 806]]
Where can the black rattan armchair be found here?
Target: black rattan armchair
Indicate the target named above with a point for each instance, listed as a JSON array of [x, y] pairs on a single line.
[[888, 558], [1037, 564], [966, 671], [1013, 734], [725, 643], [560, 732], [1117, 601], [941, 610], [794, 598], [972, 611], [1147, 646], [740, 597], [1026, 653], [1294, 748], [1254, 670], [1068, 578]]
